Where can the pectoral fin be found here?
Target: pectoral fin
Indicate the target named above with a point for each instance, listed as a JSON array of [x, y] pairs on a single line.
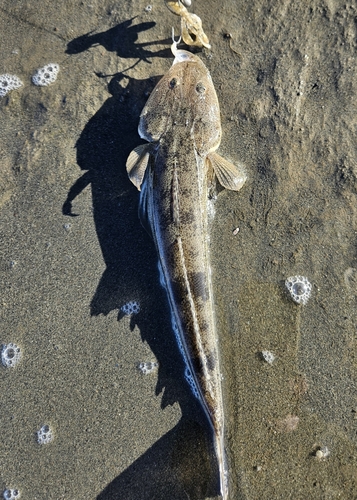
[[136, 164], [229, 176]]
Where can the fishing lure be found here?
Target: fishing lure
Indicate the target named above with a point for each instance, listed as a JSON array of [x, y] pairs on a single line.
[[191, 25]]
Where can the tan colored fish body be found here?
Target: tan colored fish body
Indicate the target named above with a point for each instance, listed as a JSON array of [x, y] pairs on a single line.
[[182, 123]]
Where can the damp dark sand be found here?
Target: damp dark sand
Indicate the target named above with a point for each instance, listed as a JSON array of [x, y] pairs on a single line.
[[285, 74]]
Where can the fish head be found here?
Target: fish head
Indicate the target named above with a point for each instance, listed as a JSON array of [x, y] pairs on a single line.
[[185, 101]]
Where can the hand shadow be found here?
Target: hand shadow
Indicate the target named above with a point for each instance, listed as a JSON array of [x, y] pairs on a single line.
[[121, 39], [169, 468]]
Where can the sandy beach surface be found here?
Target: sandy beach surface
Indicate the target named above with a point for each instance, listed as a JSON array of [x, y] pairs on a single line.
[[73, 252]]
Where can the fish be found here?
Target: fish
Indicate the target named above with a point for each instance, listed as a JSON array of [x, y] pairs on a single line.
[[175, 172]]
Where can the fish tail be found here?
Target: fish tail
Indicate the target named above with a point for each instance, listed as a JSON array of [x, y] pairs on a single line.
[[222, 465]]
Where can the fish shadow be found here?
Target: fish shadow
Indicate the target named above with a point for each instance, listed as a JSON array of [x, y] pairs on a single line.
[[176, 467], [167, 468]]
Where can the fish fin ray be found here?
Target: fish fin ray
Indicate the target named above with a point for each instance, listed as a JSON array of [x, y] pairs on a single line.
[[137, 163], [212, 185], [229, 176], [144, 206]]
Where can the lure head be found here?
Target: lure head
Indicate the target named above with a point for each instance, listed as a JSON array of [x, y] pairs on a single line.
[[191, 25], [180, 55]]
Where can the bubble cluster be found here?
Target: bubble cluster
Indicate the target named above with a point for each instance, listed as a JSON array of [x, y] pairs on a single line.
[[46, 75], [268, 357], [147, 367], [191, 382], [9, 494], [44, 435], [130, 308], [9, 82], [10, 355], [299, 288], [187, 374]]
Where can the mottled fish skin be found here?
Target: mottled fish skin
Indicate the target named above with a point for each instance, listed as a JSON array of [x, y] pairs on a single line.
[[181, 120]]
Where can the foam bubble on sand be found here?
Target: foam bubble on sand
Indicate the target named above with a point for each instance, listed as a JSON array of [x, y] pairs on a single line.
[[10, 494], [46, 75], [10, 355], [44, 435], [8, 83], [132, 307], [299, 288], [147, 367], [268, 357]]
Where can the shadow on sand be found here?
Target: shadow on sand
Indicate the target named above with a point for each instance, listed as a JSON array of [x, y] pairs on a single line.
[[179, 465]]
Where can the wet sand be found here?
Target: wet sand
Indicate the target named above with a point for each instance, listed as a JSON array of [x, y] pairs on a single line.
[[73, 253]]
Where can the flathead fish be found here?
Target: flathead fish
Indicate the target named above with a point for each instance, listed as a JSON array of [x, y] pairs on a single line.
[[175, 172]]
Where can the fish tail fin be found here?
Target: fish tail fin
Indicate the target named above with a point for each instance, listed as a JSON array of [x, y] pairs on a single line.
[[222, 465]]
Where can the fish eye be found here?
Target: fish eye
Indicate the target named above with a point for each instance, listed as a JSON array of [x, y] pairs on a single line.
[[173, 83], [200, 88]]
